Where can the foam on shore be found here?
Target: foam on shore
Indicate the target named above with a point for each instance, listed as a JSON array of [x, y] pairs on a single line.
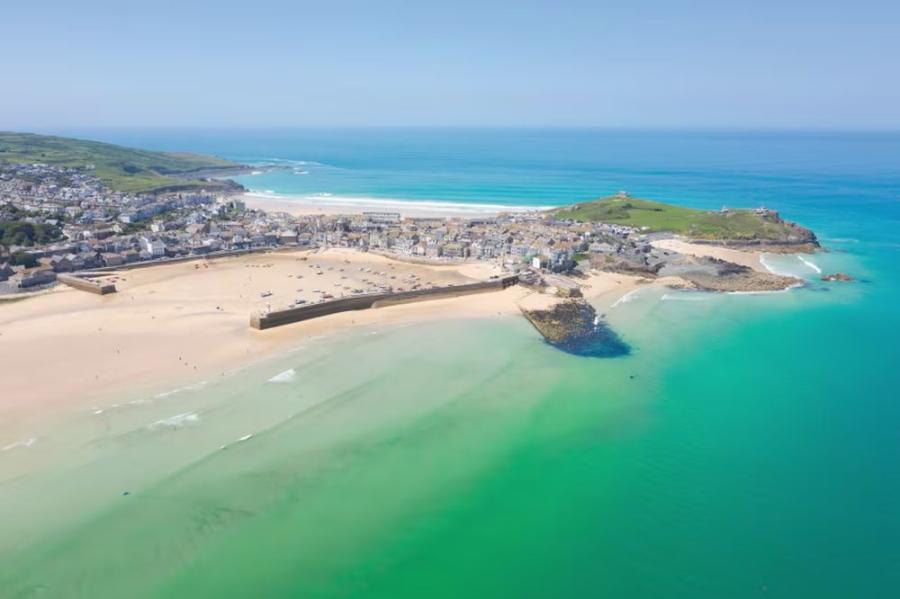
[[690, 296], [23, 444], [284, 377], [191, 387], [363, 203], [625, 298], [772, 269], [176, 421], [810, 264], [767, 292]]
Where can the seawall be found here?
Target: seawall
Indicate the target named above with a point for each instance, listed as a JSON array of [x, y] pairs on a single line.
[[86, 284], [196, 257], [373, 300]]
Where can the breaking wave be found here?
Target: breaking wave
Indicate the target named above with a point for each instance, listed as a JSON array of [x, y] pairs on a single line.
[[192, 387], [284, 377], [24, 444], [810, 264], [176, 421], [394, 204], [684, 297], [772, 269], [625, 298]]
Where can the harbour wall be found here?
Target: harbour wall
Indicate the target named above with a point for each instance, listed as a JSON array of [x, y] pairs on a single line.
[[373, 300], [86, 284]]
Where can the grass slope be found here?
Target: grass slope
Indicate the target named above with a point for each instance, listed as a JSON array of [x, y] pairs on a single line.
[[122, 169], [697, 224]]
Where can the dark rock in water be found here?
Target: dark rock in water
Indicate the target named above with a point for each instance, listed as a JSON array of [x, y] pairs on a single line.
[[838, 276], [719, 275], [601, 342], [573, 327]]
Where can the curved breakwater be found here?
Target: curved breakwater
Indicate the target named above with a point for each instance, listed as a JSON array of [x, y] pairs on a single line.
[[373, 300]]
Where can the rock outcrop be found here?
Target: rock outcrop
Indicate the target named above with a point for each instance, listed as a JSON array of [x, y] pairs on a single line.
[[720, 275], [573, 326], [838, 276]]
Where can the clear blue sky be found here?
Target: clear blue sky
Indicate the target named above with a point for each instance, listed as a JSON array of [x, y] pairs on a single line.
[[641, 63]]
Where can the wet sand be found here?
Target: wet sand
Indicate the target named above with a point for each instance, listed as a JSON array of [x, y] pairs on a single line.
[[179, 324]]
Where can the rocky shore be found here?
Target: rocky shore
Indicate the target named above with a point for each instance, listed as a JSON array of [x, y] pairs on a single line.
[[573, 326], [719, 275], [781, 237]]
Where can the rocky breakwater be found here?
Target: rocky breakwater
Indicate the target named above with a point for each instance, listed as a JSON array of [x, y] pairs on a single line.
[[712, 274], [574, 327]]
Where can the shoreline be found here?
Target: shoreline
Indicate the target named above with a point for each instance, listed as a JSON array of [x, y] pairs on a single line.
[[321, 204], [173, 325], [749, 258]]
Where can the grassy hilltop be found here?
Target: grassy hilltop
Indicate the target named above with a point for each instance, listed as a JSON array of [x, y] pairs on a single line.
[[733, 225], [120, 168]]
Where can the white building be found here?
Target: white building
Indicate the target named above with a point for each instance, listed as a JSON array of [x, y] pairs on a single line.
[[155, 247]]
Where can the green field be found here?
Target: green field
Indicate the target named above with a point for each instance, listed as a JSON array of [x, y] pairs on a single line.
[[122, 169], [690, 222]]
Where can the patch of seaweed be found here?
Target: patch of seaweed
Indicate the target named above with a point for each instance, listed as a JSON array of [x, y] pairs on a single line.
[[573, 327], [601, 342]]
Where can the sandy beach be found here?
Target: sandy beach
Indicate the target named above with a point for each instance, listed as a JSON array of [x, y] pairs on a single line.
[[749, 259], [183, 323], [327, 204]]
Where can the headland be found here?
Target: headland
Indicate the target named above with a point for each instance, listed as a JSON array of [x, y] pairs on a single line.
[[193, 260]]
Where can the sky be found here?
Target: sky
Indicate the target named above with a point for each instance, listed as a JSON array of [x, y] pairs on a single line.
[[269, 63]]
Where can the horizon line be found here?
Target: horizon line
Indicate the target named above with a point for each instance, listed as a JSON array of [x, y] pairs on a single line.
[[461, 127]]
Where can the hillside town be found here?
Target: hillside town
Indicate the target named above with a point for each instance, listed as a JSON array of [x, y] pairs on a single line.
[[94, 227]]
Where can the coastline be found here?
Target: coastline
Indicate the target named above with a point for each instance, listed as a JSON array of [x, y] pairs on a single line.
[[322, 204], [175, 325], [749, 258]]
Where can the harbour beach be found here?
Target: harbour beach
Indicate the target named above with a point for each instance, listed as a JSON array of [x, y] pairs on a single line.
[[430, 300], [673, 465], [175, 325]]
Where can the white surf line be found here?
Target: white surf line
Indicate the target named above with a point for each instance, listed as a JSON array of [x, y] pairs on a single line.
[[24, 444], [771, 269], [810, 264], [684, 297], [191, 387], [176, 421], [284, 377], [625, 298], [327, 199], [246, 437], [785, 290]]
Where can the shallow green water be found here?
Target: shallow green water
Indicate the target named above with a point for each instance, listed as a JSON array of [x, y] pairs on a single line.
[[754, 453]]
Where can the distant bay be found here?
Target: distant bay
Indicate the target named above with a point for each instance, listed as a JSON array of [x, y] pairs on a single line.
[[746, 446]]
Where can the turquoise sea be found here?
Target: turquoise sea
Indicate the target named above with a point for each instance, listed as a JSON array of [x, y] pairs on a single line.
[[748, 446]]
